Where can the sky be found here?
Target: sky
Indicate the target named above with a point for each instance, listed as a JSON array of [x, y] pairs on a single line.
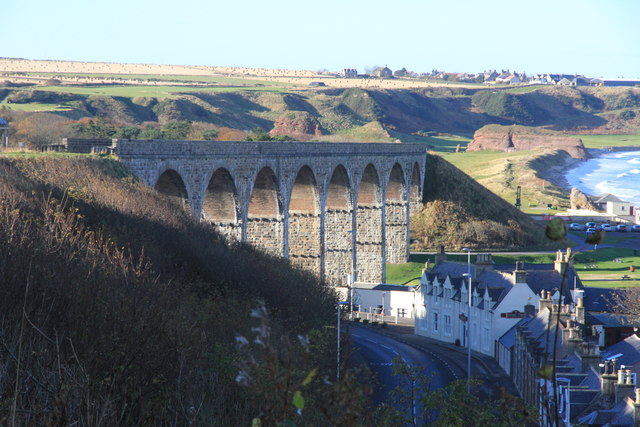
[[595, 38]]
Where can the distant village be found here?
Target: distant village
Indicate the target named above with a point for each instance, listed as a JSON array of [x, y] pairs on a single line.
[[492, 77]]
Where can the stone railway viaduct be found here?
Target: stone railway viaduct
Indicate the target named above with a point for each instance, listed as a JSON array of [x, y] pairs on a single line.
[[336, 209]]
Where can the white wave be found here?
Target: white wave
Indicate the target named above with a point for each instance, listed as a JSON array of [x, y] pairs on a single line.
[[622, 175], [634, 161], [634, 171]]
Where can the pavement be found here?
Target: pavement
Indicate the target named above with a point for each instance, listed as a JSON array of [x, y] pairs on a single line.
[[483, 367]]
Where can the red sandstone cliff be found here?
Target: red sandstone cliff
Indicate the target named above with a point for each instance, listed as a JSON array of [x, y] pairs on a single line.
[[515, 138], [296, 124]]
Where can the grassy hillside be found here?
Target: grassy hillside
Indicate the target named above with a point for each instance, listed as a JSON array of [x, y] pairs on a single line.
[[459, 212], [411, 113], [118, 309]]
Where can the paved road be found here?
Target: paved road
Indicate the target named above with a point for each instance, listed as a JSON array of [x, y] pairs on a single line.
[[378, 351], [447, 362]]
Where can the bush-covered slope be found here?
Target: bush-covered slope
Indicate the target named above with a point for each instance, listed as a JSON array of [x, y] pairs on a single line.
[[459, 212], [118, 309]]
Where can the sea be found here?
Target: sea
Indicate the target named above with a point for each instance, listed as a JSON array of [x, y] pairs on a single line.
[[617, 173]]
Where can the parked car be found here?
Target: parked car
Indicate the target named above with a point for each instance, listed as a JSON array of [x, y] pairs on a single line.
[[591, 230], [635, 228], [590, 225], [607, 227], [577, 227], [621, 227]]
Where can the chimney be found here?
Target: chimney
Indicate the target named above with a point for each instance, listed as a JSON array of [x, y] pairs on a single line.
[[625, 387], [608, 379], [529, 309], [484, 262], [580, 311], [589, 356], [520, 274], [562, 261], [426, 267], [545, 301], [441, 256]]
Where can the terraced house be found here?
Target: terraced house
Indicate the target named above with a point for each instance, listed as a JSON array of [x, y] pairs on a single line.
[[501, 295]]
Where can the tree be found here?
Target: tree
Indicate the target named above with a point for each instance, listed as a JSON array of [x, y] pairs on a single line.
[[259, 134], [176, 129], [151, 132], [94, 128], [210, 134], [127, 132]]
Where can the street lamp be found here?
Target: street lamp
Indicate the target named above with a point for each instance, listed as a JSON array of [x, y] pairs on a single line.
[[468, 276], [338, 362], [468, 251]]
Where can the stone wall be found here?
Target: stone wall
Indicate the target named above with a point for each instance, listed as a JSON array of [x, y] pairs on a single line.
[[369, 244], [396, 232], [338, 241], [267, 234], [232, 231], [304, 241]]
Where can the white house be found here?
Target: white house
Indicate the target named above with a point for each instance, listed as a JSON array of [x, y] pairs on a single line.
[[392, 300], [499, 296], [623, 210]]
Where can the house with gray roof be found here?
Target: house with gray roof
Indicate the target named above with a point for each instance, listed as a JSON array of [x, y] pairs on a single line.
[[500, 295]]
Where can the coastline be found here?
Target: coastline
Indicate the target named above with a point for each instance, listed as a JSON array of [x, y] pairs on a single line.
[[559, 177]]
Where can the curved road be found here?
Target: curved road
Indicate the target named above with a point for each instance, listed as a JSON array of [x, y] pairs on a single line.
[[378, 351]]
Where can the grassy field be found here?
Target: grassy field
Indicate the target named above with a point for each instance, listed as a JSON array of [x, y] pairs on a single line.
[[230, 81], [154, 91], [35, 107], [603, 141], [601, 268]]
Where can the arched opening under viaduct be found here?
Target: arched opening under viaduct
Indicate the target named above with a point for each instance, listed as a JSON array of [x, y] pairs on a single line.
[[264, 218], [396, 218], [369, 228], [304, 222], [220, 205], [170, 184], [338, 224], [415, 191]]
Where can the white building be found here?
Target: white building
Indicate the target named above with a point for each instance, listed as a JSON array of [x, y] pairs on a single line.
[[623, 210], [393, 300], [499, 296]]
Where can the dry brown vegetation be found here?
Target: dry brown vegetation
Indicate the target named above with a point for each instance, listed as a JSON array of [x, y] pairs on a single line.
[[459, 212], [118, 309]]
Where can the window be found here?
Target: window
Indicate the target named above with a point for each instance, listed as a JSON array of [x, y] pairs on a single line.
[[447, 324], [435, 322], [402, 312]]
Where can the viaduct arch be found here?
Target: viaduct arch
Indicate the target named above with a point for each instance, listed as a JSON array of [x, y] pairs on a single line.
[[335, 209]]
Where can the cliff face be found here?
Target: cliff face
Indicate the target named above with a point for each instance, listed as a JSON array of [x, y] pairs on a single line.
[[297, 124], [510, 138]]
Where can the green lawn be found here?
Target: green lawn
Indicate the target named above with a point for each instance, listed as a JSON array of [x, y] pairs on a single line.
[[35, 107], [602, 259], [131, 91], [176, 78], [603, 141]]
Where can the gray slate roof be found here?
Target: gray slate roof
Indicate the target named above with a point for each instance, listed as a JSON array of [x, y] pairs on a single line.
[[629, 348]]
